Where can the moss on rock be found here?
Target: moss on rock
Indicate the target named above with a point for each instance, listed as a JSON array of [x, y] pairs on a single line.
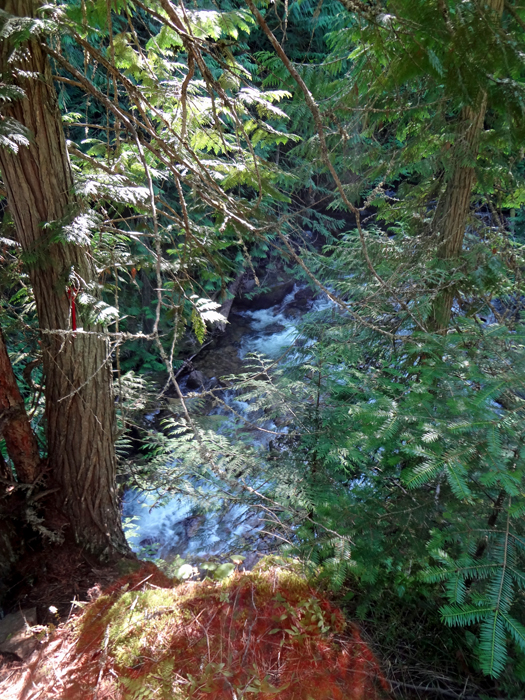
[[255, 635]]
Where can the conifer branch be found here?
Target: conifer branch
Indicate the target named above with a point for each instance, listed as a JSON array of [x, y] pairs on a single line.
[[314, 109]]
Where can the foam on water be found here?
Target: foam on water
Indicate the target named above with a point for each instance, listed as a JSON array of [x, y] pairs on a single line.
[[264, 342], [272, 344], [180, 527]]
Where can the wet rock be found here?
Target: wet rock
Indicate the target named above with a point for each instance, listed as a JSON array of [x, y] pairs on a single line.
[[301, 303], [274, 328], [196, 380], [267, 299], [213, 383], [177, 535], [305, 295], [15, 633], [248, 285], [224, 362], [292, 311], [237, 328], [192, 523]]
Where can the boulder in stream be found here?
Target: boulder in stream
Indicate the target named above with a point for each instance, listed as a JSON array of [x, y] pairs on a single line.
[[196, 380], [267, 299]]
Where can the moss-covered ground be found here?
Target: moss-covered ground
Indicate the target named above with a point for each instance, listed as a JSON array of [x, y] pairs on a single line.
[[253, 636]]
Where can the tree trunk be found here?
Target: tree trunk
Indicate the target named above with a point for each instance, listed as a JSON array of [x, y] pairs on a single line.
[[451, 215], [450, 219], [12, 534], [15, 427], [22, 449], [80, 417]]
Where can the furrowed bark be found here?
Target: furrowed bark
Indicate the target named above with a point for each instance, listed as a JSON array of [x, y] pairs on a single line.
[[451, 216], [80, 416], [450, 220]]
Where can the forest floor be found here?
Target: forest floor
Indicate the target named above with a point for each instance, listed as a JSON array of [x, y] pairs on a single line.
[[261, 634], [48, 595]]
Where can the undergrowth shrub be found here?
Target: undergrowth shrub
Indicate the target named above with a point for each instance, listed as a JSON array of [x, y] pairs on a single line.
[[258, 635]]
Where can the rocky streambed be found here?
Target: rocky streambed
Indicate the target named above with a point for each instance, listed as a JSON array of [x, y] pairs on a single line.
[[266, 324]]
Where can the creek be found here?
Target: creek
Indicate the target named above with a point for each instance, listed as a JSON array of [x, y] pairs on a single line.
[[179, 528]]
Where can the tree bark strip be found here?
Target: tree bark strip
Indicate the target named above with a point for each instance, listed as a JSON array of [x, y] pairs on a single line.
[[80, 416], [15, 427], [450, 219]]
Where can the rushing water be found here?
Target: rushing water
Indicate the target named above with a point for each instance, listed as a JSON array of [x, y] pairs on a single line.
[[179, 527], [271, 330]]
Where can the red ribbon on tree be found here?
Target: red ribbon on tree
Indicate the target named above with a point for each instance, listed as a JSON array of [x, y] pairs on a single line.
[[72, 295]]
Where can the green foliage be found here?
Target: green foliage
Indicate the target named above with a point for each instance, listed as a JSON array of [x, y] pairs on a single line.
[[401, 468]]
